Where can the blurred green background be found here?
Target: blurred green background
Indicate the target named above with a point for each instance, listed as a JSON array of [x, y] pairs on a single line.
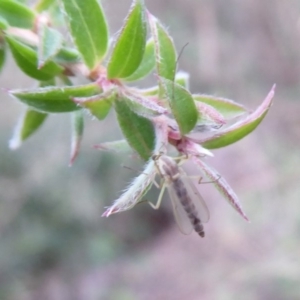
[[54, 244]]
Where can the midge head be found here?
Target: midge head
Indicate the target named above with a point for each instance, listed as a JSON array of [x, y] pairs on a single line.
[[166, 167], [155, 157]]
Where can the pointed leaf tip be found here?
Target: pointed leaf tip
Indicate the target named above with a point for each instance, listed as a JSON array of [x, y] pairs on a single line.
[[51, 42], [222, 186], [182, 105], [88, 28], [242, 128], [165, 52], [55, 99], [28, 124], [98, 105], [130, 45], [77, 133], [27, 60]]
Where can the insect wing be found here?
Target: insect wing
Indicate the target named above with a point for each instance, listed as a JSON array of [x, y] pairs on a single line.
[[196, 198], [181, 217]]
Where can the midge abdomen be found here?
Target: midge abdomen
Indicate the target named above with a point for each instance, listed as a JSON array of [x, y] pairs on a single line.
[[188, 206]]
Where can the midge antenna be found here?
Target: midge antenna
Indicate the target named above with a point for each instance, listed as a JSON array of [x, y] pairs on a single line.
[[177, 60], [180, 53]]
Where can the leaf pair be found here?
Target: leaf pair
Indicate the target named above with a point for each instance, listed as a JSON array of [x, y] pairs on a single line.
[[89, 31]]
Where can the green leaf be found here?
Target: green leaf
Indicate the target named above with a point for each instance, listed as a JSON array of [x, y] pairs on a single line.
[[30, 122], [17, 14], [228, 108], [144, 106], [117, 146], [3, 24], [56, 14], [240, 129], [130, 46], [44, 5], [2, 55], [152, 91], [147, 64], [88, 28], [182, 105], [27, 60], [98, 105], [138, 131], [55, 99], [208, 114], [50, 44], [165, 51], [68, 55], [77, 133], [182, 78]]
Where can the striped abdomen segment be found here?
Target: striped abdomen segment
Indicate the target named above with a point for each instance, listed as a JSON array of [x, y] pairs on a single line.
[[188, 206]]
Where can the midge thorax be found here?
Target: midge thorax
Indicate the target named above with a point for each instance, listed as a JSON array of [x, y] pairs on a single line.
[[189, 207]]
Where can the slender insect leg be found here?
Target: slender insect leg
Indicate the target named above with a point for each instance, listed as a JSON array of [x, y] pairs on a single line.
[[156, 184], [211, 181], [199, 178], [181, 159], [158, 203]]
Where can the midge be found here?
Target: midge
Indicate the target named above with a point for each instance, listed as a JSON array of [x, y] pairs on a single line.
[[189, 207]]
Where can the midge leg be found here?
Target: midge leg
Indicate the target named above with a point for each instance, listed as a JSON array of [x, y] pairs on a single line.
[[158, 203], [181, 159], [210, 181], [200, 179], [156, 184]]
